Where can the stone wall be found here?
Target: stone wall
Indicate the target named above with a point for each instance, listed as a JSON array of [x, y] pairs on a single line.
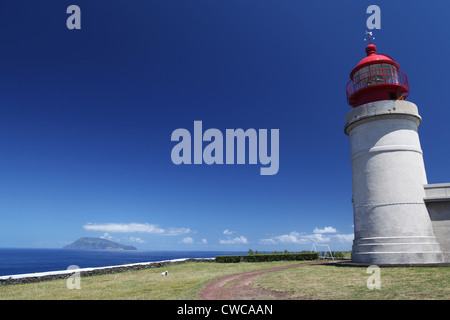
[[85, 272]]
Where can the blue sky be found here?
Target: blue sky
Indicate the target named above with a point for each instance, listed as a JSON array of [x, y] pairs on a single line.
[[86, 117]]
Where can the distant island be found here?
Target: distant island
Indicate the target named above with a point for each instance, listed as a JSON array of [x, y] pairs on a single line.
[[89, 243]]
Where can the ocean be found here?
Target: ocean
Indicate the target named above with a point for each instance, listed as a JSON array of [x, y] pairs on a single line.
[[22, 260]]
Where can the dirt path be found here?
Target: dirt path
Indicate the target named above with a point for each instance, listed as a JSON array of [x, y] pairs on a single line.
[[237, 286]]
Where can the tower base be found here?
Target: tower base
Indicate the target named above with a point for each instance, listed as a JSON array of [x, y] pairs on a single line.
[[397, 251]]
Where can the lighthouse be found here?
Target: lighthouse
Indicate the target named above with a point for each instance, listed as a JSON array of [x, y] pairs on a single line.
[[391, 223]]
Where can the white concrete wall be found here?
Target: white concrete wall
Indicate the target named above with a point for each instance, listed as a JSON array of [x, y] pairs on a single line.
[[437, 200], [391, 221]]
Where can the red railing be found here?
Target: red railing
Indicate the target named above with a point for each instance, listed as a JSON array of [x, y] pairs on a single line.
[[377, 77]]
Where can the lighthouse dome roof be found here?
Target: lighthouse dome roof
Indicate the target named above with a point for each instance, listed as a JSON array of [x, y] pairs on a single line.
[[374, 58]]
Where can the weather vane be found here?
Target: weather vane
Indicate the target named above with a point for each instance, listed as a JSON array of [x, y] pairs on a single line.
[[370, 36]]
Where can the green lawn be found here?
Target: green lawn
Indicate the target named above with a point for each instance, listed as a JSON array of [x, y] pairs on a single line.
[[185, 280], [330, 282]]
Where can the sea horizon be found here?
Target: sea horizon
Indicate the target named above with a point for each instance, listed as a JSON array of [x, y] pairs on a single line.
[[14, 261]]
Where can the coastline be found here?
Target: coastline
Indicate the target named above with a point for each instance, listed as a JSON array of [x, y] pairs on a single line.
[[64, 274]]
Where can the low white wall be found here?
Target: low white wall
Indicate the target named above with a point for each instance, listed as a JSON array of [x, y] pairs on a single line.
[[437, 199]]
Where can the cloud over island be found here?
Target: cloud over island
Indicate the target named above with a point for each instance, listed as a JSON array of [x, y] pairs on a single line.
[[136, 227]]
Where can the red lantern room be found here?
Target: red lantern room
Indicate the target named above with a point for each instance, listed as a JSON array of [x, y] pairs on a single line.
[[376, 77]]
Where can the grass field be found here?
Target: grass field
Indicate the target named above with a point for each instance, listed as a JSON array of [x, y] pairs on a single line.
[[186, 280], [350, 283]]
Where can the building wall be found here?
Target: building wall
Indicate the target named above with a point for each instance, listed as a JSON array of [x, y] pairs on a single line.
[[437, 201]]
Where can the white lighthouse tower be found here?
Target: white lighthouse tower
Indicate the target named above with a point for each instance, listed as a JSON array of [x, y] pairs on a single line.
[[391, 221]]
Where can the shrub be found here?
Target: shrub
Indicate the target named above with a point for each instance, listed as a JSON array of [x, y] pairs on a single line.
[[269, 257], [338, 254]]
